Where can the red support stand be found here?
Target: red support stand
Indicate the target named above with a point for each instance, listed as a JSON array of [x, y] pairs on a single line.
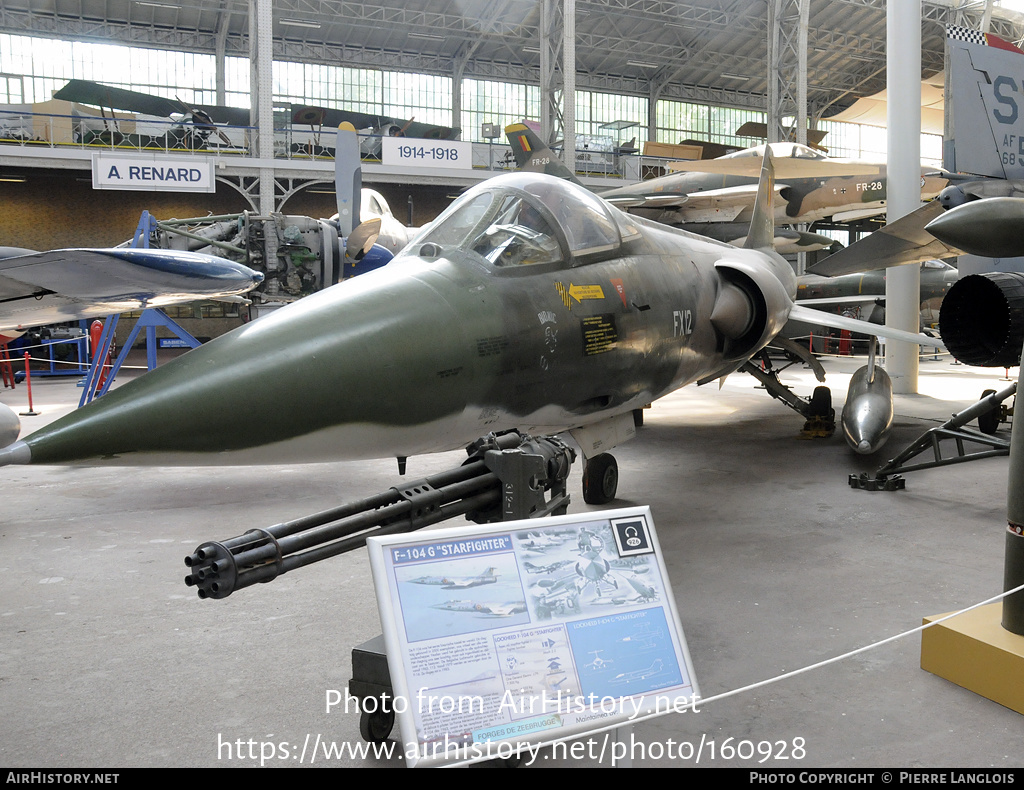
[[6, 371], [28, 383], [95, 334], [845, 343]]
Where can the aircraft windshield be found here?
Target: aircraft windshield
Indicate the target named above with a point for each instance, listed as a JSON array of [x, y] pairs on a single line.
[[779, 151], [526, 219]]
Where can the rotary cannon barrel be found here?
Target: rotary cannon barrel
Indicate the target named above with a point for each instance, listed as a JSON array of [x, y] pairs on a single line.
[[506, 476]]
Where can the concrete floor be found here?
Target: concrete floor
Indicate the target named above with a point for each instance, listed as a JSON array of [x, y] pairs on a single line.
[[108, 660]]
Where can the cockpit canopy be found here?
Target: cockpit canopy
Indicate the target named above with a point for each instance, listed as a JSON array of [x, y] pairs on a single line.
[[779, 151], [527, 219]]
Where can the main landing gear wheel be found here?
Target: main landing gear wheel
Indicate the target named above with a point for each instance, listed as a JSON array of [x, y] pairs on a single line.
[[600, 479], [989, 421], [376, 727], [821, 403]]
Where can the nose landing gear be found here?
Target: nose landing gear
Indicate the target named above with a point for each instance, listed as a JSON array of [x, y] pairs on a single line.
[[600, 479]]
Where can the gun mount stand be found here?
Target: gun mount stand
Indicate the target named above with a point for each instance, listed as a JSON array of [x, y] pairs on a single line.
[[989, 411], [818, 413], [506, 477]]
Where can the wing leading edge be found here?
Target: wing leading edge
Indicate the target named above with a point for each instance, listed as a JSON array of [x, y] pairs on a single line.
[[67, 285]]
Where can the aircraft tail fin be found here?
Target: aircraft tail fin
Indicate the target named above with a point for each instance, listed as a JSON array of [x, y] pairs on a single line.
[[762, 224], [532, 155]]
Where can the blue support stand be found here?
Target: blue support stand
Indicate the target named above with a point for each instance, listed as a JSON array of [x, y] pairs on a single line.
[[149, 320], [147, 225]]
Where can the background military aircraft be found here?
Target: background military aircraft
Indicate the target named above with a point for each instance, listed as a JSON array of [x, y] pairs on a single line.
[[986, 128], [489, 576], [811, 187], [760, 130], [38, 288], [862, 294], [711, 192], [492, 609], [530, 303], [373, 126], [194, 124]]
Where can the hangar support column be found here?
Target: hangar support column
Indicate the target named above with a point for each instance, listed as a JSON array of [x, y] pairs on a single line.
[[220, 54], [558, 75], [903, 195], [261, 59], [787, 66]]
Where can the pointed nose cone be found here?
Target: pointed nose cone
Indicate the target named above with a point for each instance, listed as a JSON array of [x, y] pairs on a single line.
[[373, 367]]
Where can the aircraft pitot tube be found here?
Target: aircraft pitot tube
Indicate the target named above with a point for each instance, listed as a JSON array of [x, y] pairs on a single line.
[[505, 477]]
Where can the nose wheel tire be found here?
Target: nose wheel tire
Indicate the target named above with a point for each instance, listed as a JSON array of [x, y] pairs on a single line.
[[600, 479], [376, 727]]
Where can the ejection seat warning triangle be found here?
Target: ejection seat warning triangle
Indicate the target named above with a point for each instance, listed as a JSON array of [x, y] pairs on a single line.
[[508, 637]]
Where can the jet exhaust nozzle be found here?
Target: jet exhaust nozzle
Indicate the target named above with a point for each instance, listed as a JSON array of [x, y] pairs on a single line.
[[733, 314], [982, 319], [751, 308]]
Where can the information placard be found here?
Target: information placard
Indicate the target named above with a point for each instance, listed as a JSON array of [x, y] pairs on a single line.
[[417, 152], [153, 173], [528, 632]]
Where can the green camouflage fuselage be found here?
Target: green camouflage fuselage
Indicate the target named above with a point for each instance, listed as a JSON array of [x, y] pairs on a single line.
[[432, 352]]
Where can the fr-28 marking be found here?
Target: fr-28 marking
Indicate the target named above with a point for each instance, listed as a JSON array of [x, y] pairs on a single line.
[[868, 186]]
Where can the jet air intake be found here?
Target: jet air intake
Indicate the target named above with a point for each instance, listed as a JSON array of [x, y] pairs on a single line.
[[982, 319], [751, 307]]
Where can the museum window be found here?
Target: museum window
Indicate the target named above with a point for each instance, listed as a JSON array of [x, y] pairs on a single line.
[[677, 121], [425, 97], [11, 89], [501, 103], [595, 111], [32, 68]]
